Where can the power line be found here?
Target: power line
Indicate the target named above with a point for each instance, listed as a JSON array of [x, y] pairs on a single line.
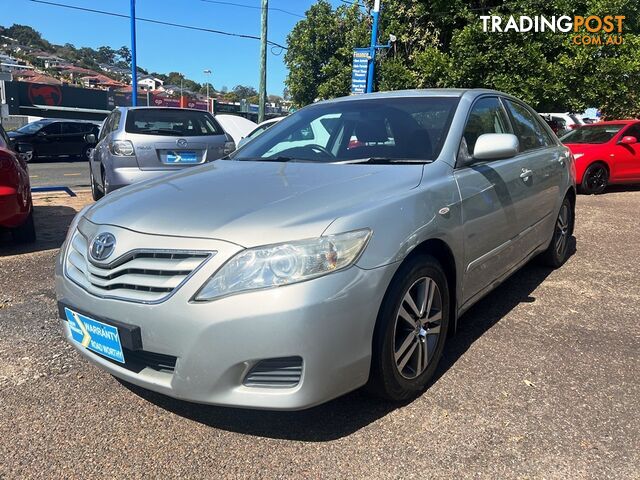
[[255, 7], [158, 22]]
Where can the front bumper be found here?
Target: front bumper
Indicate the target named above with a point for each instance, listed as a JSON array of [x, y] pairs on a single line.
[[328, 322]]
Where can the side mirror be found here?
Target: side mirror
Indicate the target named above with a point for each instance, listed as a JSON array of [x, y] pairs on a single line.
[[496, 146], [41, 133], [628, 140], [90, 138]]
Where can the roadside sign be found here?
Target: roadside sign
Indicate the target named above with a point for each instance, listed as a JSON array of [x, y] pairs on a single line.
[[359, 71]]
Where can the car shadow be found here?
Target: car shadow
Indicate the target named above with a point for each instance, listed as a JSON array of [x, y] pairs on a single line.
[[52, 222], [349, 413], [621, 188]]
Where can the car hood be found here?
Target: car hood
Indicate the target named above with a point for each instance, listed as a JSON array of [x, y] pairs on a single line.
[[15, 134], [252, 203]]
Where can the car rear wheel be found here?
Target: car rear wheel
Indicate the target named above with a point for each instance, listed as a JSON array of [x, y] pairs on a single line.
[[96, 193], [595, 179], [25, 233], [411, 330], [557, 252]]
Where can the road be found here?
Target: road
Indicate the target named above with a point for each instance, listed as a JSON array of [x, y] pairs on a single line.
[[540, 382], [67, 174]]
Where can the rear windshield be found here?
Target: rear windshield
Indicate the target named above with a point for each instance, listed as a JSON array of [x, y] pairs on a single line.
[[171, 122], [592, 134]]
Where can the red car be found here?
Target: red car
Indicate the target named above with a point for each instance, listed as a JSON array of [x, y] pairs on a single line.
[[16, 207], [605, 153]]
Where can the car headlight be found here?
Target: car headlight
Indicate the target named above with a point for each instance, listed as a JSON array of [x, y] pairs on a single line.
[[285, 263], [122, 148], [576, 156]]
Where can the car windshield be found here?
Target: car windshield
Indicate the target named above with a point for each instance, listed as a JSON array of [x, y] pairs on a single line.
[[592, 134], [33, 127], [380, 130], [171, 122]]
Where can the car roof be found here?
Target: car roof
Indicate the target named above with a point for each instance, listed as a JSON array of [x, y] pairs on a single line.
[[610, 122], [161, 108], [419, 93]]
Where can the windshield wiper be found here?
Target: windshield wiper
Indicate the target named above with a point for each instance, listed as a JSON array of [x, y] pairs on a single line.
[[386, 160], [265, 159]]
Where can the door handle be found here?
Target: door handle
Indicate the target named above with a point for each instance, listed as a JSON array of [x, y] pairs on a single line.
[[526, 173]]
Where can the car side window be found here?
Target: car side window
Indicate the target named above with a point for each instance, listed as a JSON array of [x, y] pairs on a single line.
[[632, 131], [487, 116], [105, 127], [530, 134], [52, 129], [71, 128], [115, 121]]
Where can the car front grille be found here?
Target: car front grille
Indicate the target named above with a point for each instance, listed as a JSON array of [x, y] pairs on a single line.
[[141, 275], [275, 373]]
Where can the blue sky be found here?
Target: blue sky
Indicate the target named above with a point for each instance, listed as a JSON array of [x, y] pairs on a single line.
[[164, 49]]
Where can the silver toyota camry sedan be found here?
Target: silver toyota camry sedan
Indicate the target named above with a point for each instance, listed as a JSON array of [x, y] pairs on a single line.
[[336, 250]]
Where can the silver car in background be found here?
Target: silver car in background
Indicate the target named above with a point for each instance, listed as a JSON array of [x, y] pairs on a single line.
[[140, 143], [337, 249]]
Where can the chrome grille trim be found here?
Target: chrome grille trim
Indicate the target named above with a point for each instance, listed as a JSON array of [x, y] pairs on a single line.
[[141, 276]]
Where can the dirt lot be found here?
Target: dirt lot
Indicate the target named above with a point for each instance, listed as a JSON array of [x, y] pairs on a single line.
[[542, 381]]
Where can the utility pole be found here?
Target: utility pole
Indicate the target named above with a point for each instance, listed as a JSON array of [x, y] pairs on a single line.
[[263, 62], [207, 72], [134, 65], [375, 13]]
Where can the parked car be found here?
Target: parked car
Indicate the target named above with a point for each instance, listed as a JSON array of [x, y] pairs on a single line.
[[140, 143], [606, 153], [56, 138], [235, 125], [261, 128], [566, 121], [16, 207], [557, 126], [282, 280]]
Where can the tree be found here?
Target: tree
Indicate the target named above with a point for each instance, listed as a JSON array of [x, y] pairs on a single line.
[[243, 91], [320, 51], [25, 35]]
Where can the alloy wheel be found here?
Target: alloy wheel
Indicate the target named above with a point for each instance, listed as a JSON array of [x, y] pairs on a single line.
[[417, 327], [562, 230], [597, 179]]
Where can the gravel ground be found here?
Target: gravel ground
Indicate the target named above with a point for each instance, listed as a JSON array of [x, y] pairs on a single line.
[[541, 382]]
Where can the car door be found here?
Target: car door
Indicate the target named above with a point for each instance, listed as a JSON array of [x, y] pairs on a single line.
[[72, 141], [543, 168], [626, 158], [47, 140], [491, 193]]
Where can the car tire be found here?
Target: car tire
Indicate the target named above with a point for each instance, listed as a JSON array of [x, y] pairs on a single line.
[[595, 179], [96, 193], [557, 252], [25, 233], [408, 344], [86, 153]]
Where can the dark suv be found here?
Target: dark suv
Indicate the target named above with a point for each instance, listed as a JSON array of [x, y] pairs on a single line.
[[56, 138]]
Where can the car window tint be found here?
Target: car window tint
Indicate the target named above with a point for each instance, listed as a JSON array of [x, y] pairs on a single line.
[[529, 132], [70, 128], [487, 116], [632, 131], [52, 129]]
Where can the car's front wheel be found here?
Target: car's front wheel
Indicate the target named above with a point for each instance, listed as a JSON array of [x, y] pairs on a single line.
[[411, 330], [595, 179]]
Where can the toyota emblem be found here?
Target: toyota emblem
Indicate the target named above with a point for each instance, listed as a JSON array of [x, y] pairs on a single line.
[[181, 142], [103, 246]]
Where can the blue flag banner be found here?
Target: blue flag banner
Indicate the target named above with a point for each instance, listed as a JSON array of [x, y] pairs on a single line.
[[359, 71]]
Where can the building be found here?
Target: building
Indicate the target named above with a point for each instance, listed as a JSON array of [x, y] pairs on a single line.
[[149, 82]]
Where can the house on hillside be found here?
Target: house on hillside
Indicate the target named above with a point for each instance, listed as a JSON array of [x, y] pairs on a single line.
[[149, 82], [100, 81], [106, 67]]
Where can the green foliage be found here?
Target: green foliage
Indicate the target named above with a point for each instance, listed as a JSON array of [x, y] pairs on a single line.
[[440, 43]]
